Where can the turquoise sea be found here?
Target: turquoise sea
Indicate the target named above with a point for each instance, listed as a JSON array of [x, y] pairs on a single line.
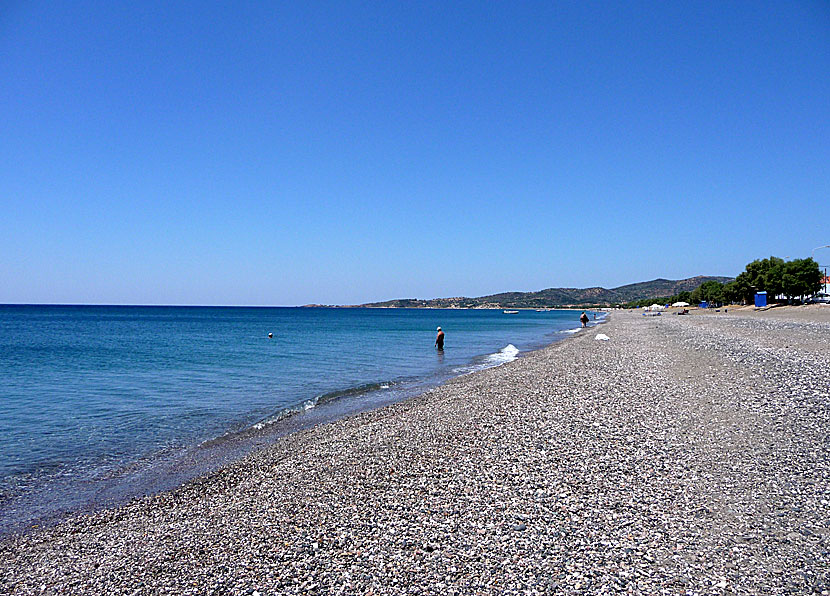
[[102, 403]]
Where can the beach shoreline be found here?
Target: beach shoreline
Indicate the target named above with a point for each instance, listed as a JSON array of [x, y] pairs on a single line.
[[581, 467], [207, 408]]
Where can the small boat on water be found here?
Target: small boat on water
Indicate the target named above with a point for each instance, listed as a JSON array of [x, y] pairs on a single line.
[[511, 312]]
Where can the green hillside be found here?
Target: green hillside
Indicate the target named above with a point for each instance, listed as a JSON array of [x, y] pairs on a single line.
[[553, 297]]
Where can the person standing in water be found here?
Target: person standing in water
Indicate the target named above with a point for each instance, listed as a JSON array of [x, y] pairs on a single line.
[[583, 318], [439, 340]]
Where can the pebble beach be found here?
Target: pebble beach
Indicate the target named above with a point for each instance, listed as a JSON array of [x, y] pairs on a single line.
[[685, 455]]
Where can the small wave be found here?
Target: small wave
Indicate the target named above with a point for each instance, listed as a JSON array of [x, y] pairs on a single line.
[[285, 413], [313, 403], [506, 354], [577, 330]]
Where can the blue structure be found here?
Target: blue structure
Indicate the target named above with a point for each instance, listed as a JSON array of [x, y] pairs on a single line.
[[760, 299], [703, 305]]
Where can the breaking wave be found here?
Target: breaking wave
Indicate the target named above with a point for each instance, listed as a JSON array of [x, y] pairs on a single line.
[[507, 354]]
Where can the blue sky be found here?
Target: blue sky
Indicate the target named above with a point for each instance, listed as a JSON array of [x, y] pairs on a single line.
[[288, 153]]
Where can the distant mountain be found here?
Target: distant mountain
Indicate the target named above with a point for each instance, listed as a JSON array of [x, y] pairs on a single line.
[[551, 297], [663, 287]]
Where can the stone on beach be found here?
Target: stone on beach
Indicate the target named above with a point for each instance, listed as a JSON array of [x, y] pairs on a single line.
[[688, 456]]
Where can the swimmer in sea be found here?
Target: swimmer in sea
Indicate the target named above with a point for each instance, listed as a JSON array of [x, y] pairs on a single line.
[[439, 340]]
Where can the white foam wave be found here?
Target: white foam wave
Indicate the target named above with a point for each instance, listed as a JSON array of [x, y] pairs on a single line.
[[306, 405], [577, 330], [507, 354]]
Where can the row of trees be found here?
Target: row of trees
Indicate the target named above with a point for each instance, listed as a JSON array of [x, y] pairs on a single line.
[[791, 279]]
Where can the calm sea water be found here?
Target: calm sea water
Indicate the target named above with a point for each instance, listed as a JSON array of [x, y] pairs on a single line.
[[101, 403]]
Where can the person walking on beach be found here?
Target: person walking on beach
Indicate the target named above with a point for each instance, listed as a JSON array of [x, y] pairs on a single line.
[[439, 340], [583, 319]]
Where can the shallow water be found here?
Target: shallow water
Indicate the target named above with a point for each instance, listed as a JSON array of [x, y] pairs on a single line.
[[100, 403]]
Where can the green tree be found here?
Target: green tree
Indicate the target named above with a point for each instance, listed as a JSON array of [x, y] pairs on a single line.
[[732, 292], [714, 292], [800, 277], [810, 274], [774, 278], [755, 272], [762, 275], [744, 287], [696, 296], [709, 291]]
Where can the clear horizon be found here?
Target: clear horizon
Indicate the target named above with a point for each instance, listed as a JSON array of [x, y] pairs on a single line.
[[209, 154], [332, 304]]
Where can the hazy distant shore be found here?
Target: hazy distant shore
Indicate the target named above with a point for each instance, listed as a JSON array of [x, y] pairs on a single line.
[[685, 455]]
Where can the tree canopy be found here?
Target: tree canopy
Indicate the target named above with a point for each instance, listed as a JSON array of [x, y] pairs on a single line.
[[775, 276]]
